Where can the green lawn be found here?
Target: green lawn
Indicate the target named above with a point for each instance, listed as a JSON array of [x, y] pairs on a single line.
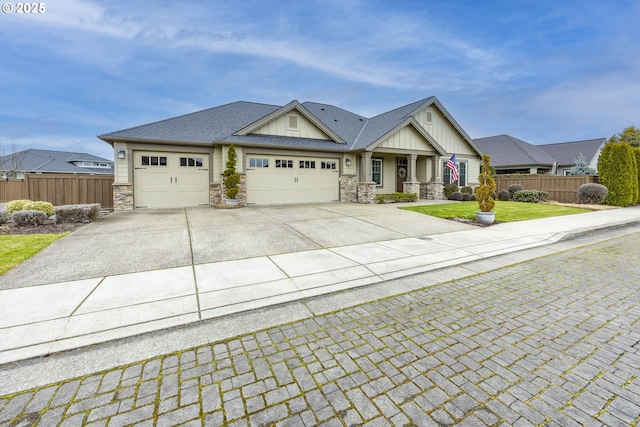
[[505, 211], [16, 248]]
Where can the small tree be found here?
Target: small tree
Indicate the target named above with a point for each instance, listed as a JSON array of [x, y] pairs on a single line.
[[618, 171], [630, 135], [581, 167], [231, 176], [484, 193], [11, 162]]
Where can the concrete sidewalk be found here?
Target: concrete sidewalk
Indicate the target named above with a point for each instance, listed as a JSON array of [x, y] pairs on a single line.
[[65, 315]]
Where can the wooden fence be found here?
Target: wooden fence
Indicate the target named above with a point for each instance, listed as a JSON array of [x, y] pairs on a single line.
[[563, 189], [60, 189]]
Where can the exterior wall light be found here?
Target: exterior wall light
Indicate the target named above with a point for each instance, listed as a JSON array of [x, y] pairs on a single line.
[[121, 154], [347, 162]]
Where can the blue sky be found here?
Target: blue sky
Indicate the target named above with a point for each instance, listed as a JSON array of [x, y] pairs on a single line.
[[542, 71]]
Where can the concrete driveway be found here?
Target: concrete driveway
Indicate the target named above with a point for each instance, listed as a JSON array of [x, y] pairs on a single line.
[[143, 240]]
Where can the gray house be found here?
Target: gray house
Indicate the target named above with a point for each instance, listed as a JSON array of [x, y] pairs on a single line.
[[16, 165], [297, 153], [511, 155]]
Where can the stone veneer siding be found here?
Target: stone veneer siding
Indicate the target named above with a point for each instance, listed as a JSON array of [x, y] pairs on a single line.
[[349, 188], [217, 192], [433, 191], [122, 197], [366, 192]]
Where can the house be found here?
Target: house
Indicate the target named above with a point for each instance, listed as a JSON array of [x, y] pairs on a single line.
[[297, 153], [511, 155], [16, 165], [566, 153]]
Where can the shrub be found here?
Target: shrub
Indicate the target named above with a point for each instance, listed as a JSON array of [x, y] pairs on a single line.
[[513, 188], [29, 217], [485, 192], [618, 170], [450, 188], [77, 213], [15, 205], [531, 196], [45, 207], [231, 177], [592, 194], [4, 216], [472, 198], [456, 195], [466, 190], [396, 197], [504, 195], [466, 197], [28, 205]]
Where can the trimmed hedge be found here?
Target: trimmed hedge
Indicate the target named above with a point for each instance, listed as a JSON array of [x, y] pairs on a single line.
[[513, 188], [456, 195], [618, 171], [592, 194], [448, 189], [504, 195], [396, 197], [77, 213], [29, 217], [531, 196], [4, 216]]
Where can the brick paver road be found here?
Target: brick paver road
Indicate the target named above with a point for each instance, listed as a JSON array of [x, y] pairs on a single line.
[[554, 341]]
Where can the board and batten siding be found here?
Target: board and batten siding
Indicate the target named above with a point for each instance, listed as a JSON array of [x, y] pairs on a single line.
[[443, 131], [280, 127], [121, 166], [407, 138]]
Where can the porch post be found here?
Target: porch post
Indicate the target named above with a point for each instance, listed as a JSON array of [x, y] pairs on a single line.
[[365, 167], [411, 175]]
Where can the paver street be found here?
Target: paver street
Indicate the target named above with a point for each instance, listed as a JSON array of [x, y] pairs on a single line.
[[553, 341]]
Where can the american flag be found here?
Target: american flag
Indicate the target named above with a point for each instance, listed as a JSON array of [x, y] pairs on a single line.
[[451, 164]]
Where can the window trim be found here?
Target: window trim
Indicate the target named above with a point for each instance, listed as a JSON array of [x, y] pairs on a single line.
[[380, 161], [461, 175], [297, 122]]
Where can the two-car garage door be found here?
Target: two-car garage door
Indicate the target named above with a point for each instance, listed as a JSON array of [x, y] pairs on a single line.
[[291, 179], [166, 180]]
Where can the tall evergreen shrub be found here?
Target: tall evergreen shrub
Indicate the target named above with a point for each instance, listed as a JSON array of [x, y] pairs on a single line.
[[618, 171], [231, 176]]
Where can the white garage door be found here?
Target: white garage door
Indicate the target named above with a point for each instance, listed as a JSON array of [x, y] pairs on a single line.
[[288, 179], [168, 180]]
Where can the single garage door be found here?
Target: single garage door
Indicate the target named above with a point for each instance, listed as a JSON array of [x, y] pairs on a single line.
[[289, 179], [170, 180]]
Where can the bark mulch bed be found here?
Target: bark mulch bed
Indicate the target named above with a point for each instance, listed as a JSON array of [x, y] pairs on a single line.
[[49, 227]]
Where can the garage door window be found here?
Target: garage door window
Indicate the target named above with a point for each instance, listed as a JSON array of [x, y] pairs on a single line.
[[154, 161], [258, 163], [328, 165], [284, 164], [307, 164], [195, 162]]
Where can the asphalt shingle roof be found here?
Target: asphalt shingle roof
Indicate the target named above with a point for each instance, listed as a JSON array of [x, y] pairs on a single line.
[[566, 153], [505, 150], [51, 161]]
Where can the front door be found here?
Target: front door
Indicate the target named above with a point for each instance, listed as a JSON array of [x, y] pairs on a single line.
[[401, 173]]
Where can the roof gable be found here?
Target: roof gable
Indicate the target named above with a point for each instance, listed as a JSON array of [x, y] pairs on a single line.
[[281, 114]]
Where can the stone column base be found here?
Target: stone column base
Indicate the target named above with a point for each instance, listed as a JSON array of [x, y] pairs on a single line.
[[348, 188], [366, 192], [435, 191], [122, 197], [411, 187]]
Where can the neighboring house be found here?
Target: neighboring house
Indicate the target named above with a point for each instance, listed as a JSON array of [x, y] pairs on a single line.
[[511, 155], [566, 153], [297, 153], [16, 165]]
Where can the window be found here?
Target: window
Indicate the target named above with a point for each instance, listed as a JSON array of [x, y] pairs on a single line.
[[328, 165], [462, 174], [154, 161], [258, 163], [307, 164], [428, 117], [376, 171], [193, 162], [292, 122], [284, 163]]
